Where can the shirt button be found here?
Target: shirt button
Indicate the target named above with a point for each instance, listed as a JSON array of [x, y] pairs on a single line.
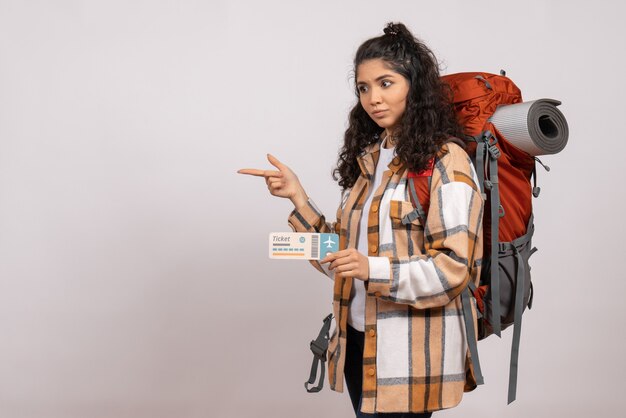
[[375, 209], [371, 372], [374, 248], [377, 294], [372, 333]]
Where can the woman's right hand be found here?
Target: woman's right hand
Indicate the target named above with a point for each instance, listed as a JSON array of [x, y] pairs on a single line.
[[282, 183]]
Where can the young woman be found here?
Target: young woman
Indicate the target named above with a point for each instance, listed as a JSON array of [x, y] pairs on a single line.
[[400, 337]]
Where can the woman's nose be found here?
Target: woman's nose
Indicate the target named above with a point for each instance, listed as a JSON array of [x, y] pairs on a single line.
[[375, 97]]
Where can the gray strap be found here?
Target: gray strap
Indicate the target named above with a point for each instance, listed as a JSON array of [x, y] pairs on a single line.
[[319, 348], [419, 210], [410, 217], [517, 328], [494, 194], [481, 78], [481, 149], [536, 189], [523, 240], [313, 375], [471, 335]]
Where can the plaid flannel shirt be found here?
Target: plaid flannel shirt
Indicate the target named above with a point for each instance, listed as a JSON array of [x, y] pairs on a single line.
[[416, 356]]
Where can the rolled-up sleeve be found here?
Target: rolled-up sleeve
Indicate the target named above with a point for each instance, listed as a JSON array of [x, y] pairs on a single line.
[[310, 219]]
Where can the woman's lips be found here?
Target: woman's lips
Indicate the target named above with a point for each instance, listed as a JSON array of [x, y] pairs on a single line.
[[379, 113]]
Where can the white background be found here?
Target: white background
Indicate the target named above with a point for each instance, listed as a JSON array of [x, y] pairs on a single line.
[[134, 276]]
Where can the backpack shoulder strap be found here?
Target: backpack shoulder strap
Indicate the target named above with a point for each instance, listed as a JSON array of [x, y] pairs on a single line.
[[419, 194], [419, 186]]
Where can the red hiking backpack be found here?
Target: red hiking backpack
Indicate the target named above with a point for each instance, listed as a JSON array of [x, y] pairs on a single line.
[[504, 173]]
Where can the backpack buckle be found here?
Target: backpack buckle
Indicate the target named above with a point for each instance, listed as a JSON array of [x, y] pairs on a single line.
[[503, 247], [494, 151], [490, 140], [319, 350], [410, 217]]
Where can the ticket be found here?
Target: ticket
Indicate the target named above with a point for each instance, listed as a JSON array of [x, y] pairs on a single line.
[[302, 245]]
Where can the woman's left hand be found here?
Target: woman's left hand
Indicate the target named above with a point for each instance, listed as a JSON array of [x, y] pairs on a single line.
[[348, 263]]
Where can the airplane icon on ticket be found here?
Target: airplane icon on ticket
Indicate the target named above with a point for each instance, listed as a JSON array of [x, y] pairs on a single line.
[[329, 242]]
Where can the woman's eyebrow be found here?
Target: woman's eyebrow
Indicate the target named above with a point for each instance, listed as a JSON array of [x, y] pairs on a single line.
[[380, 77], [384, 76]]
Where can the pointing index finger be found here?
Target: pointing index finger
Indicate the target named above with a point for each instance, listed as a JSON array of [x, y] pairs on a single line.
[[252, 172], [260, 173]]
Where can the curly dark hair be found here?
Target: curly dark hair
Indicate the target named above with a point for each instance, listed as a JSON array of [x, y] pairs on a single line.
[[428, 120]]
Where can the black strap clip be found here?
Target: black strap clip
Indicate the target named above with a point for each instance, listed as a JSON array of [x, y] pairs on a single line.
[[319, 347]]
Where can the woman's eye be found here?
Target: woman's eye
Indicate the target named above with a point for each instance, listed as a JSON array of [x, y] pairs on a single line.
[[386, 83], [362, 89]]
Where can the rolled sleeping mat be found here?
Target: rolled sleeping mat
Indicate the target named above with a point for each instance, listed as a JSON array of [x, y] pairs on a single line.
[[536, 127]]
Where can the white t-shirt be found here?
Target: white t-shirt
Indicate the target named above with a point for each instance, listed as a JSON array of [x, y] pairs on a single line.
[[356, 312]]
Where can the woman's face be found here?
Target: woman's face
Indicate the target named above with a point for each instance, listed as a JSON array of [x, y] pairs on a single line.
[[382, 92]]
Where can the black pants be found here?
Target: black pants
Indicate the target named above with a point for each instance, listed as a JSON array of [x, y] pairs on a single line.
[[353, 371]]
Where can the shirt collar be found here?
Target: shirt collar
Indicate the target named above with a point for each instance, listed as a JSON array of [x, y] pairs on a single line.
[[369, 158]]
